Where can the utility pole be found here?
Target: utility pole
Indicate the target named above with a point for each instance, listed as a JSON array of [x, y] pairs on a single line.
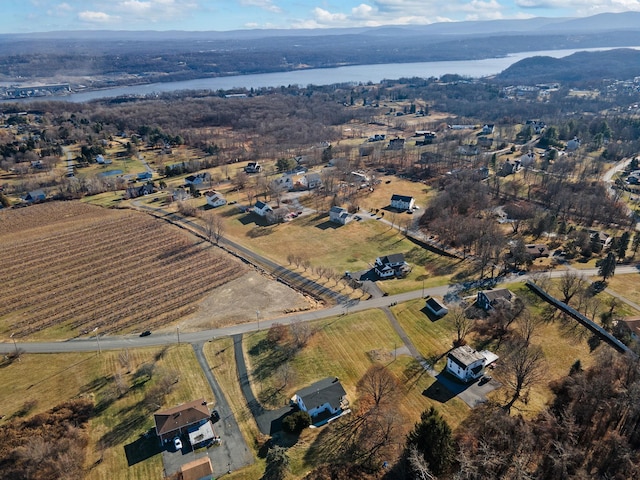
[[97, 340], [15, 345], [258, 318], [178, 331]]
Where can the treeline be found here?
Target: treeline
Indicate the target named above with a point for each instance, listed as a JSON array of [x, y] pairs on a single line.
[[48, 445]]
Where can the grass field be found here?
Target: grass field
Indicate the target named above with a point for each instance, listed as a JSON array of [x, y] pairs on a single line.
[[86, 267], [53, 379], [344, 347]]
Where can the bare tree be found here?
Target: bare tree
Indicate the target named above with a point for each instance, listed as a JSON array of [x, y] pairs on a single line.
[[285, 374], [462, 324], [571, 283], [214, 227], [522, 367], [419, 465], [301, 333], [379, 385], [125, 360]]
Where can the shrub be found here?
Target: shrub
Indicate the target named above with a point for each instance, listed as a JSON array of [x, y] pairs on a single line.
[[296, 422]]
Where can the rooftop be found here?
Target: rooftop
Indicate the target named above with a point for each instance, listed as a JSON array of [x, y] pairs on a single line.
[[180, 416], [328, 390]]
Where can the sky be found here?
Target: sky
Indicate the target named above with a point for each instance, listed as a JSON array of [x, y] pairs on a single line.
[[23, 16]]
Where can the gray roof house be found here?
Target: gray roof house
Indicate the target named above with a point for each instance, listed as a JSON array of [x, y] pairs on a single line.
[[35, 196], [465, 363], [325, 398], [392, 265], [487, 299], [339, 215], [262, 208]]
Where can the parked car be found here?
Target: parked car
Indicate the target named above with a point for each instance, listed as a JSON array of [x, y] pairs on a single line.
[[177, 443], [146, 333], [215, 416]]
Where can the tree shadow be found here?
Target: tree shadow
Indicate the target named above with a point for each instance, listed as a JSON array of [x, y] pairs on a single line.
[[122, 430]]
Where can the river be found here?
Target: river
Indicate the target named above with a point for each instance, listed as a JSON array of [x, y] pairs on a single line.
[[327, 76]]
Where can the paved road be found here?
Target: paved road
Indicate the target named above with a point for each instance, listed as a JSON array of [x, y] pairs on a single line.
[[119, 342]]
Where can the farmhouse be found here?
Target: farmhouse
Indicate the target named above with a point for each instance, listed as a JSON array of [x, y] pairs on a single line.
[[262, 208], [215, 199], [285, 182], [402, 202], [339, 215], [175, 421], [509, 166], [488, 129], [487, 299], [604, 239], [465, 363], [134, 192], [391, 266], [324, 398]]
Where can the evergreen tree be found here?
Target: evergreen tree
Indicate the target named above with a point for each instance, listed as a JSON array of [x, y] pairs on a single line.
[[277, 464], [433, 439], [636, 243], [607, 266], [623, 243]]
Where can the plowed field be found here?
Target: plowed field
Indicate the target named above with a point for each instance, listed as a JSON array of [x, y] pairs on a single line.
[[73, 267]]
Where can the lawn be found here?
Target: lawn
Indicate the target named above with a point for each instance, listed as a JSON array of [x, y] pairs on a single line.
[[54, 378], [344, 347], [628, 286]]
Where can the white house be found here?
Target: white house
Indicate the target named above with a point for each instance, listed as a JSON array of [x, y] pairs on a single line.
[[327, 395], [285, 182], [391, 266], [488, 129], [339, 215], [197, 179], [465, 363], [311, 181], [436, 307], [262, 208], [253, 167], [402, 202], [215, 199]]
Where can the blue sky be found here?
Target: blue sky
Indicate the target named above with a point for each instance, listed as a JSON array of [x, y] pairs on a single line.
[[20, 16]]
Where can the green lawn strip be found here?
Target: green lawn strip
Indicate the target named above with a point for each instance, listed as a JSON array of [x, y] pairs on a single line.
[[54, 378]]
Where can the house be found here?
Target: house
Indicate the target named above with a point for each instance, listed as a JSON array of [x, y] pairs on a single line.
[[176, 421], [360, 177], [324, 397], [285, 182], [179, 194], [537, 125], [396, 144], [135, 192], [391, 266], [100, 159], [253, 167], [262, 208], [509, 166], [215, 199], [339, 215], [144, 176], [465, 363], [200, 469], [573, 144], [604, 239], [487, 299], [436, 307], [35, 196], [527, 159], [402, 202], [311, 181], [488, 129], [537, 250], [197, 179], [468, 150]]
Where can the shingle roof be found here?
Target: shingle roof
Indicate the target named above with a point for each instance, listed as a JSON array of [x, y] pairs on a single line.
[[465, 356], [181, 416], [196, 469], [493, 295], [402, 198], [392, 259], [328, 390]]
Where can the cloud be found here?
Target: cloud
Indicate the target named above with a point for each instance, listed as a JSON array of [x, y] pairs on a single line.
[[95, 17], [405, 12], [263, 4], [583, 7]]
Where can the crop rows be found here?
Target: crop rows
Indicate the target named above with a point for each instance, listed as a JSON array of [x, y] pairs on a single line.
[[113, 270]]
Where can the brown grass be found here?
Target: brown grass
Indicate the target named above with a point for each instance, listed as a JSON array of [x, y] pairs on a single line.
[[86, 267]]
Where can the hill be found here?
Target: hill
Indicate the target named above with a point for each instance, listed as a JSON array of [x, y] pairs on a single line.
[[581, 67]]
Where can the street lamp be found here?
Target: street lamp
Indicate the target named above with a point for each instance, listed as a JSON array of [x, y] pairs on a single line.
[[15, 345], [97, 339]]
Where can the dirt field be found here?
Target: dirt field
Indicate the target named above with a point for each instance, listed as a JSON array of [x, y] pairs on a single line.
[[237, 302], [69, 268]]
